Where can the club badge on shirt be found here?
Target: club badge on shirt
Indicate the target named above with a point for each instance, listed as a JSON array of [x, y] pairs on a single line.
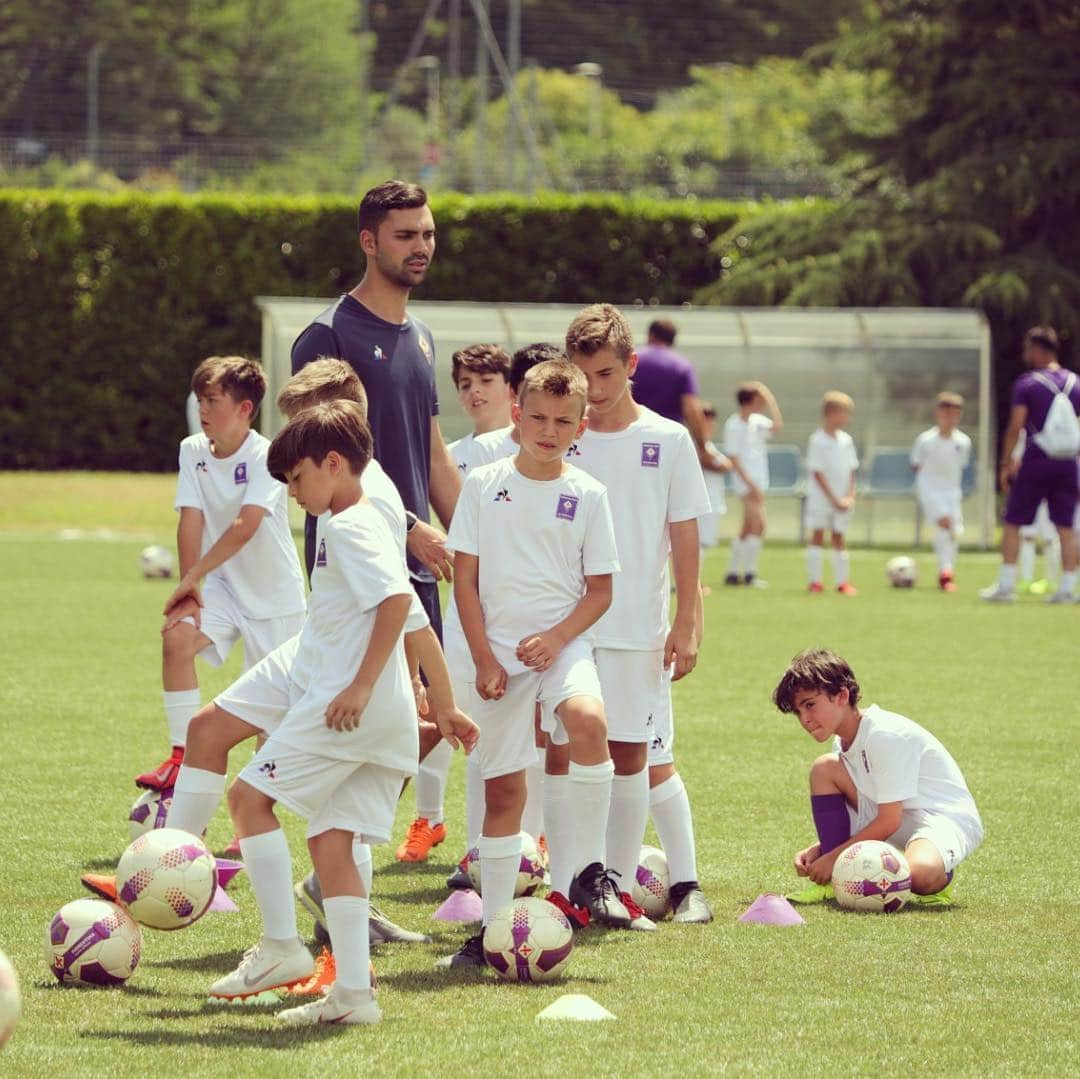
[[503, 496], [378, 353], [200, 466], [240, 473], [320, 558], [573, 451], [567, 507], [425, 348], [650, 455]]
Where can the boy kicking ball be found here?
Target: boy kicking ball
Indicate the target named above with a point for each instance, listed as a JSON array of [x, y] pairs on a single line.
[[889, 779]]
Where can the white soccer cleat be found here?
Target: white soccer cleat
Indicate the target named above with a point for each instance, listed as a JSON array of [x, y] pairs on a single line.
[[1061, 597], [347, 1008], [693, 908], [266, 966], [997, 594]]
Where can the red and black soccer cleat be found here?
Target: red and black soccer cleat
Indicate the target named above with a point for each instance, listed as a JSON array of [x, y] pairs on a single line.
[[164, 775]]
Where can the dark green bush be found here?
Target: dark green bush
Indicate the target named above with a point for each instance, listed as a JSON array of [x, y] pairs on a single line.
[[111, 300]]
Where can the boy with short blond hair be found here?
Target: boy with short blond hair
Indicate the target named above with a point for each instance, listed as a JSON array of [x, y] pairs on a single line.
[[939, 457], [534, 557], [337, 703], [831, 464], [657, 493], [888, 779]]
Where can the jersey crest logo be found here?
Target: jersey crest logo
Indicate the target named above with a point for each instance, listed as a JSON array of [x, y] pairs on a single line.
[[268, 769], [378, 353], [462, 468], [573, 451], [503, 496], [240, 473], [567, 507], [201, 467], [425, 348], [650, 455], [320, 558]]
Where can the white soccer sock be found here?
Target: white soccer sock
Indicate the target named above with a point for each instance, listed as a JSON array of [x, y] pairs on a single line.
[[735, 565], [561, 831], [500, 859], [475, 800], [180, 706], [1026, 560], [532, 817], [1068, 582], [1007, 577], [361, 854], [669, 806], [196, 796], [626, 825], [590, 800], [431, 783], [269, 868], [347, 924], [815, 564], [1052, 559], [943, 548], [841, 566], [752, 552]]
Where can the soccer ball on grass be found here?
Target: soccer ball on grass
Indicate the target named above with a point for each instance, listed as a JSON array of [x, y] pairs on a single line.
[[530, 870], [872, 876], [166, 879], [901, 571], [150, 810], [10, 998], [651, 889], [156, 562], [92, 942], [528, 941]]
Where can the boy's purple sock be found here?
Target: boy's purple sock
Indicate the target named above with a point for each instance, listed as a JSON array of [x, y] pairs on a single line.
[[830, 813]]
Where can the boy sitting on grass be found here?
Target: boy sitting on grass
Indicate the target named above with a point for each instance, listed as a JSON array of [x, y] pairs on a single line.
[[889, 779]]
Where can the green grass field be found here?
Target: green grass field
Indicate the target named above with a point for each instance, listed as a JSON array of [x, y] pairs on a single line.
[[987, 987]]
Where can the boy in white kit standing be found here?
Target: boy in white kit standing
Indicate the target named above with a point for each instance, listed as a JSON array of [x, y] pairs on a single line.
[[746, 436], [831, 464], [657, 493], [939, 458], [481, 377], [338, 706], [534, 557]]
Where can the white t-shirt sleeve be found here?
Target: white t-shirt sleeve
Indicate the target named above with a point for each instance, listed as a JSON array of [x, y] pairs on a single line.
[[852, 455], [464, 527], [894, 763], [733, 436], [965, 451], [261, 488], [688, 497], [599, 555], [764, 424], [918, 452], [187, 484], [417, 617], [369, 561], [815, 458]]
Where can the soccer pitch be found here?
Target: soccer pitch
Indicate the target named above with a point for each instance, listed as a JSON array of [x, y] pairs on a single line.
[[989, 986]]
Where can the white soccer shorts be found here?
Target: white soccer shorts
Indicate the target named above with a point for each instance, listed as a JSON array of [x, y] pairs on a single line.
[[632, 684], [662, 743], [821, 517]]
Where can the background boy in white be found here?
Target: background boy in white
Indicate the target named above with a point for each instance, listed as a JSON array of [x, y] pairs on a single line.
[[746, 435], [939, 458], [889, 779], [534, 555], [831, 464], [234, 532], [481, 378], [709, 525], [657, 493]]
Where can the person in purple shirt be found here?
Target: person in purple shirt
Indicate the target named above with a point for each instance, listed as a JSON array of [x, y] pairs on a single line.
[[1040, 474]]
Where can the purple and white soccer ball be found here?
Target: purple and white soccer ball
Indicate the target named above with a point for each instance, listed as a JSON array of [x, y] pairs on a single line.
[[651, 889], [901, 571], [528, 941], [872, 876], [166, 879], [531, 871], [150, 810], [156, 562], [10, 999], [92, 942]]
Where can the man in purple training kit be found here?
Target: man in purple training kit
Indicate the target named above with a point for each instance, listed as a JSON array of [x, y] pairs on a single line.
[[1045, 404]]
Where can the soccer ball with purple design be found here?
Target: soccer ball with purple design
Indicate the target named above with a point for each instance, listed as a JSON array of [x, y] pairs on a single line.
[[651, 889], [92, 942], [530, 869], [166, 879], [156, 562], [872, 876], [150, 810], [528, 941], [901, 571], [10, 998]]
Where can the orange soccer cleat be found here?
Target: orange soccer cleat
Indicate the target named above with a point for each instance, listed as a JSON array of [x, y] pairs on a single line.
[[847, 589], [100, 884], [164, 775], [419, 840]]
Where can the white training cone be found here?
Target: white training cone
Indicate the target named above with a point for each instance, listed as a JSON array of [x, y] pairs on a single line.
[[575, 1006]]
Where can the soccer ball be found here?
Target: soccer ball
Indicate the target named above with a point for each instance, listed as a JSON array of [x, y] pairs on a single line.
[[528, 941], [872, 876], [92, 942], [149, 810], [901, 571], [530, 871], [651, 889], [10, 998], [156, 562], [166, 878]]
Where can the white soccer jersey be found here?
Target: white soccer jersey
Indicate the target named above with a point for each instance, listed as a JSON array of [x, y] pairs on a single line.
[[835, 457], [537, 541], [893, 759], [940, 461], [461, 450], [748, 441], [653, 478], [357, 567], [493, 446], [264, 576]]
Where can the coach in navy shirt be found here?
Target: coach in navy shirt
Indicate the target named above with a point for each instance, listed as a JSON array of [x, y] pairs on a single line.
[[394, 355]]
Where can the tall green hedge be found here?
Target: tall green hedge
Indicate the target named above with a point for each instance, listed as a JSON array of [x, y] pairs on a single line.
[[111, 300]]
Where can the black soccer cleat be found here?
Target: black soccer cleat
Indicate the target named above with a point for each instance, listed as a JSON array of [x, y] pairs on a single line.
[[470, 954], [594, 888], [732, 578]]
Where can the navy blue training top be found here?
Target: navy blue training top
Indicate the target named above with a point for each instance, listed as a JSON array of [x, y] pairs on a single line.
[[396, 364]]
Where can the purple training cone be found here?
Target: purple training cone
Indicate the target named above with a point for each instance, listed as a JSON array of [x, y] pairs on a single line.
[[221, 903], [226, 870], [770, 909], [461, 906]]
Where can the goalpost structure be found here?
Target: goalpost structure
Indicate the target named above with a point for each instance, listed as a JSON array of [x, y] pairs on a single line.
[[892, 361]]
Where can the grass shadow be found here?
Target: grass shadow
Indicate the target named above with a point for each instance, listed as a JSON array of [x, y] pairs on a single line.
[[231, 1037], [218, 962], [97, 864]]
